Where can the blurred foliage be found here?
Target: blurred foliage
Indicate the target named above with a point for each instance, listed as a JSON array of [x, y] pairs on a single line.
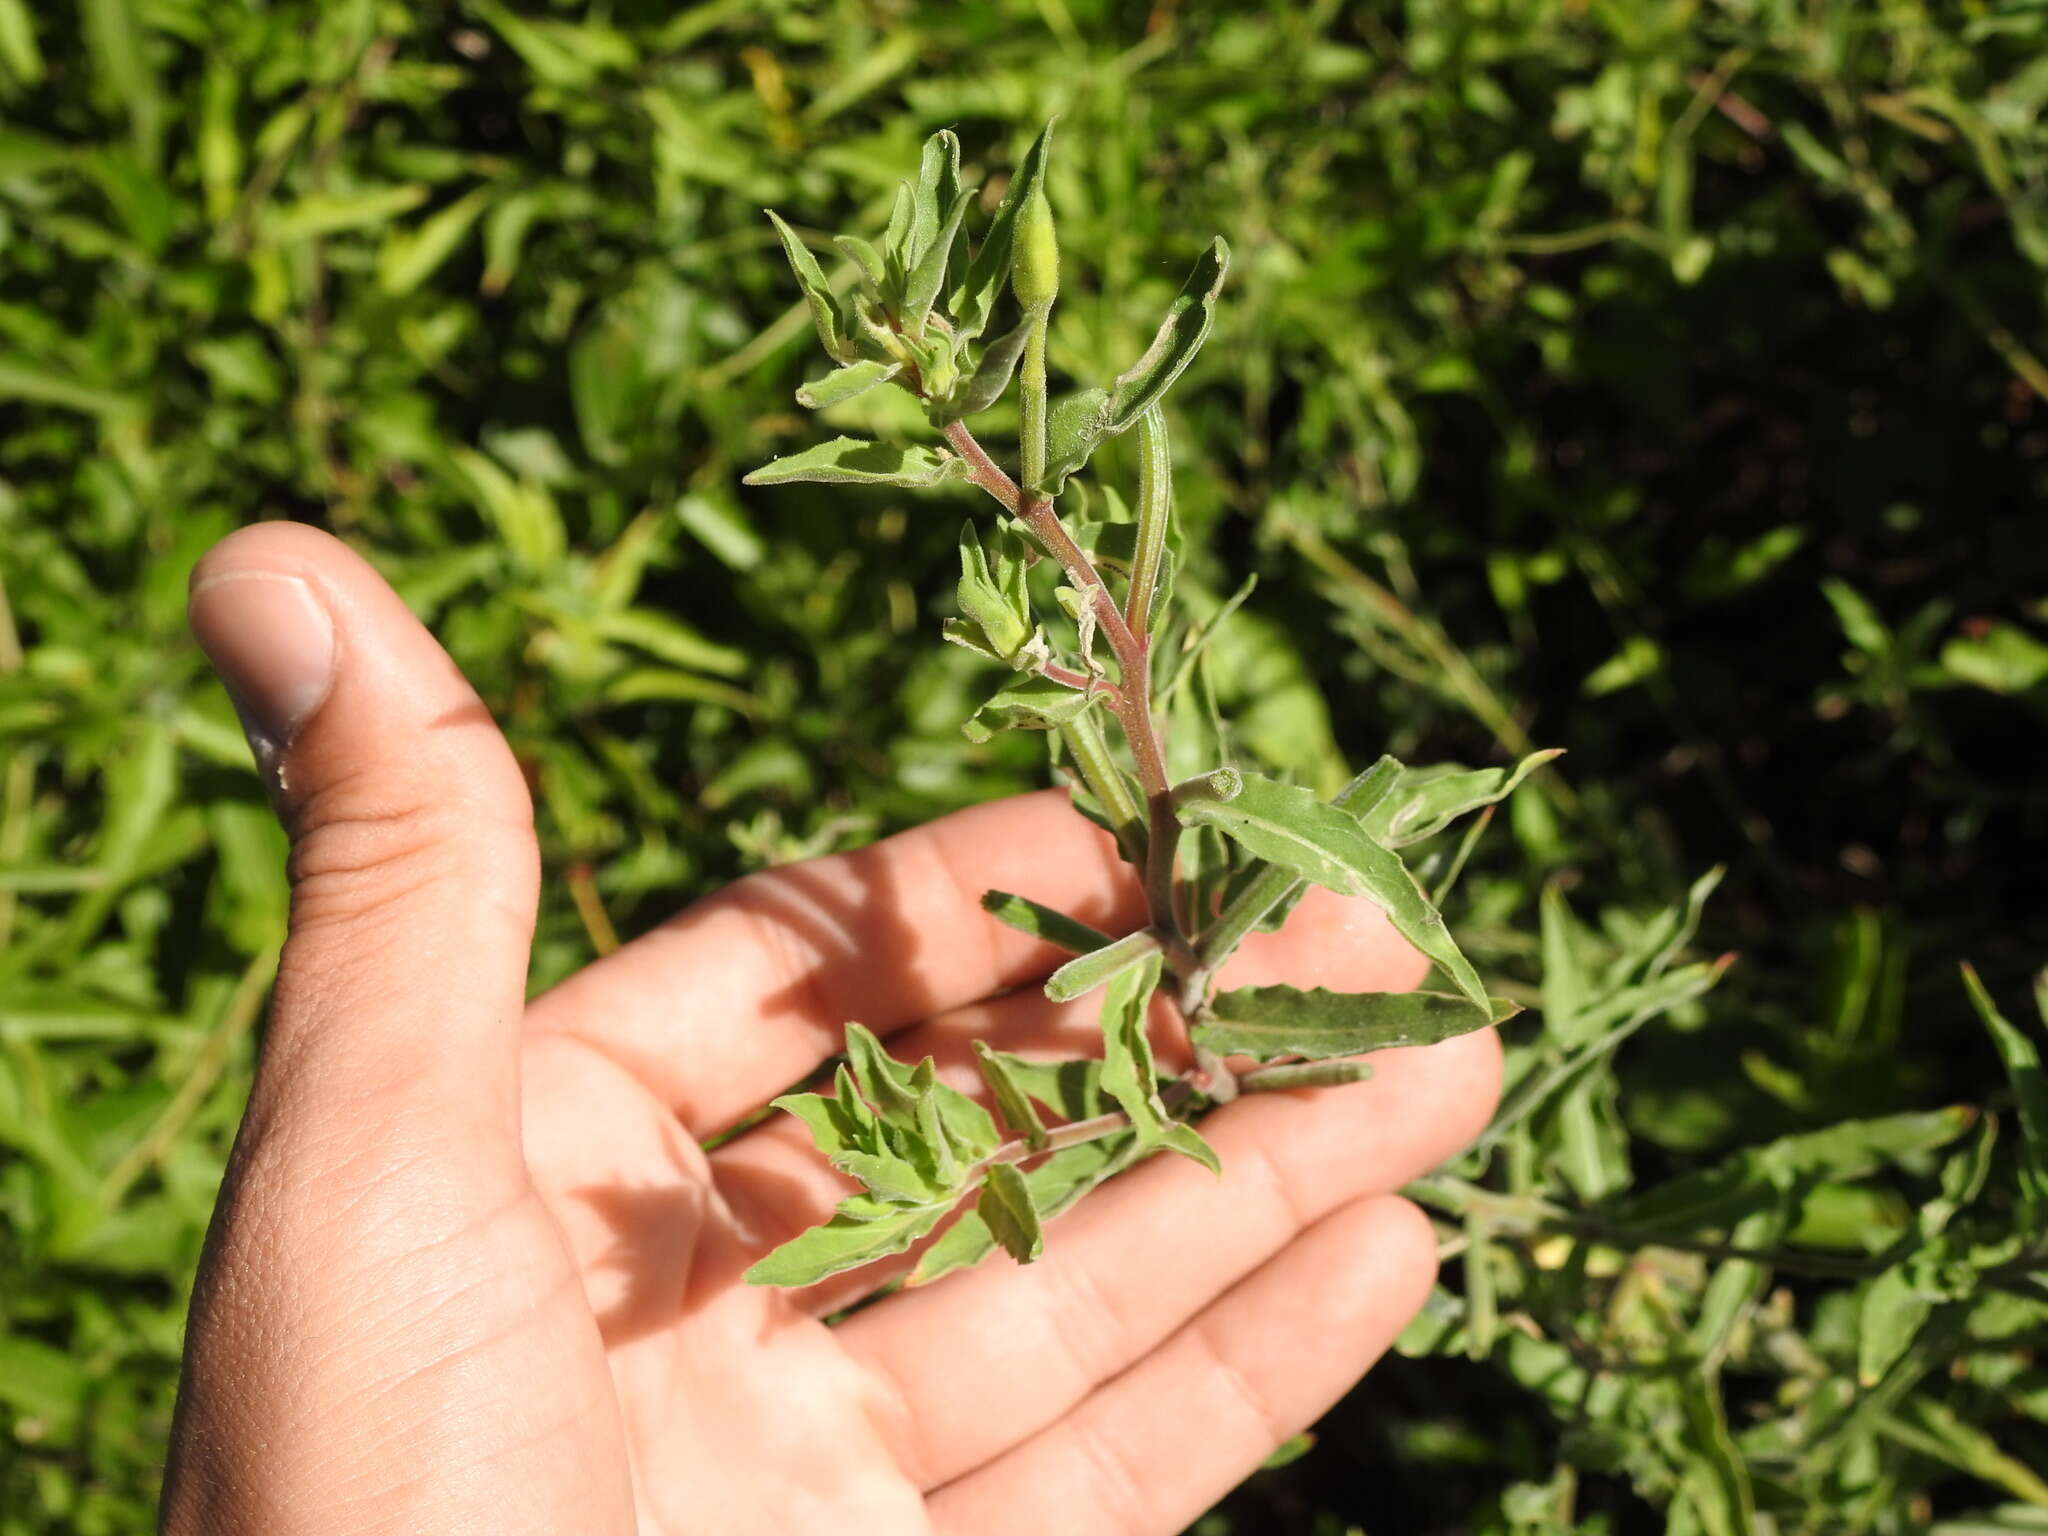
[[1662, 380]]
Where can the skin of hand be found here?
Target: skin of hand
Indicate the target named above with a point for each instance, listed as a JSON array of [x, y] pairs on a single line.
[[472, 1270]]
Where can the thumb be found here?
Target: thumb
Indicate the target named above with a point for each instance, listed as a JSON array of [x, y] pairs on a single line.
[[413, 867]]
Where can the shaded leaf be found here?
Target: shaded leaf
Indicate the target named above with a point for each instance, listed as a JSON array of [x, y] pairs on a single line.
[[2022, 1059]]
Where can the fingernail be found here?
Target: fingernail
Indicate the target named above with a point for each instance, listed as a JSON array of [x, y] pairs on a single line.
[[272, 642]]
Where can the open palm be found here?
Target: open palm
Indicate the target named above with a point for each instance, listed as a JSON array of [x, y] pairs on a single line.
[[474, 1271]]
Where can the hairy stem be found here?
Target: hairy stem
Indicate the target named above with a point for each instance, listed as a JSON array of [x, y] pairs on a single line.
[[1031, 404], [1133, 701]]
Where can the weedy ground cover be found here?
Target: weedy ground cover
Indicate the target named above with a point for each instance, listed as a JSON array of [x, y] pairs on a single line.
[[1659, 381]]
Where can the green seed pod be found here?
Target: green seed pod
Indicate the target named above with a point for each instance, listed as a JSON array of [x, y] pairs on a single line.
[[1035, 274]]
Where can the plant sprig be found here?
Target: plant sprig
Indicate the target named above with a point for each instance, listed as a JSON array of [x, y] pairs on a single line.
[[920, 320]]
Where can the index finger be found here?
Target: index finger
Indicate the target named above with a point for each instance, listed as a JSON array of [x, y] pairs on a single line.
[[747, 991]]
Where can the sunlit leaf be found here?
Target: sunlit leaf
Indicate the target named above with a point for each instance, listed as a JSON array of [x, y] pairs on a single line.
[[1289, 826], [850, 461], [1269, 1022]]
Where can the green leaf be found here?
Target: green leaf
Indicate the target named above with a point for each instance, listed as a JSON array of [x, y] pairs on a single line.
[[995, 600], [850, 461], [1085, 973], [863, 254], [2004, 659], [1012, 1101], [991, 376], [1032, 704], [333, 213], [1854, 1149], [1289, 826], [1129, 1073], [1424, 801], [921, 286], [1179, 338], [411, 256], [900, 1092], [973, 302], [1056, 1184], [932, 196], [843, 384], [2022, 1059], [825, 314], [1075, 427], [1041, 922], [1006, 1209], [1080, 423], [1266, 1023], [18, 50], [1888, 1318], [861, 1231], [1070, 1088]]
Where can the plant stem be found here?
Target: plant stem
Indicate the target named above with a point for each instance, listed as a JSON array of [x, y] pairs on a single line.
[[1286, 1076], [1133, 702], [1031, 403]]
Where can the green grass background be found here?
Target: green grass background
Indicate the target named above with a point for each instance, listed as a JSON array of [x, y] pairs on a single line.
[[1661, 380]]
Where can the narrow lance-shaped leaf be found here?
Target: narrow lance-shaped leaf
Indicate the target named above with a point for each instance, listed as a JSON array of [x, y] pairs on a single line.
[[1082, 422], [921, 286], [1179, 338], [932, 196], [860, 1231], [1085, 973], [845, 383], [1129, 1073], [974, 301], [1075, 427], [850, 461], [991, 376], [1265, 1023], [1288, 825], [1422, 803], [1013, 1102], [1005, 1208], [2022, 1060], [1031, 703], [863, 254], [817, 291], [1042, 922], [1055, 1184], [1071, 1089]]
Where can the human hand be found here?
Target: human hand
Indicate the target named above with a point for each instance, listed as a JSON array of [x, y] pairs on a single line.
[[472, 1271]]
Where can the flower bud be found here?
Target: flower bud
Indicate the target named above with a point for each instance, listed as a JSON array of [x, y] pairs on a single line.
[[1035, 268]]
